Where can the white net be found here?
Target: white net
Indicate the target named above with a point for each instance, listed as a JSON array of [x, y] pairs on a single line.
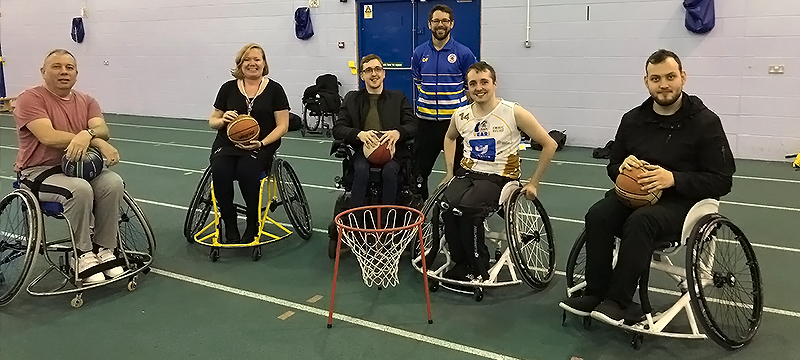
[[380, 238]]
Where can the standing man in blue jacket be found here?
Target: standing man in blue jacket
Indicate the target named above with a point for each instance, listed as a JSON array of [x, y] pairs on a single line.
[[439, 67]]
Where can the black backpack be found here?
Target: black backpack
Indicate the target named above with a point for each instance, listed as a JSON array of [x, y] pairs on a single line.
[[559, 136]]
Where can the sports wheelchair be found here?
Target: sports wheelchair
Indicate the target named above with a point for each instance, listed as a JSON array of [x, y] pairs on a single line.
[[22, 218], [282, 181], [408, 186], [321, 102], [706, 283], [525, 248]]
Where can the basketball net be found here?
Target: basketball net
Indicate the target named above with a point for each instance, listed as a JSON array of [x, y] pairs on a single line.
[[378, 252]]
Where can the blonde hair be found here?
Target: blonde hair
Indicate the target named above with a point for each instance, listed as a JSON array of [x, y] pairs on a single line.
[[237, 71]]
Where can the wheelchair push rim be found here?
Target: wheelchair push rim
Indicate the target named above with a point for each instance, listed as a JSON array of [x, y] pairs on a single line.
[[16, 251], [196, 216], [539, 275], [294, 199], [710, 280]]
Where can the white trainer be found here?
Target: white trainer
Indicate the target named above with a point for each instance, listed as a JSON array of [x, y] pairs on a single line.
[[106, 255], [87, 261]]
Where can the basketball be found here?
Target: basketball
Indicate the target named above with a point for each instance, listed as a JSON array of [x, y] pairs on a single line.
[[88, 169], [379, 155], [630, 192], [243, 129]]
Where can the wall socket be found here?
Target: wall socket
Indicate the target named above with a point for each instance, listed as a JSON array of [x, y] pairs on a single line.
[[313, 3], [776, 69], [105, 62]]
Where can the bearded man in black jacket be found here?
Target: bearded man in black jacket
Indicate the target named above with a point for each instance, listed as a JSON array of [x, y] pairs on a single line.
[[683, 148]]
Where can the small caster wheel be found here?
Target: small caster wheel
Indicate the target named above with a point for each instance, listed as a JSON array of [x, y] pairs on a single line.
[[563, 317], [214, 255], [497, 255], [256, 253], [433, 286], [77, 302], [132, 285], [478, 294], [587, 323], [636, 342]]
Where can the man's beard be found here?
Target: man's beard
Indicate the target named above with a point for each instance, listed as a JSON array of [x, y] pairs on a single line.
[[668, 101], [436, 34]]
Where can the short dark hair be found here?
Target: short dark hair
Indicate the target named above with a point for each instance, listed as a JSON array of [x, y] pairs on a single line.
[[482, 66], [367, 59], [60, 52], [442, 8], [660, 56]]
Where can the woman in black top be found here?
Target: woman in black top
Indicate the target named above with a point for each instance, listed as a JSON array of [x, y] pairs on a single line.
[[251, 92]]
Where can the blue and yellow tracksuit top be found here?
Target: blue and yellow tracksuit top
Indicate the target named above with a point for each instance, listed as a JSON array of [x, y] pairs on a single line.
[[439, 78]]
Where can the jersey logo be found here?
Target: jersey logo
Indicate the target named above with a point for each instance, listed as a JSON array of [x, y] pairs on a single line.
[[464, 116], [425, 59], [498, 128], [483, 149], [451, 58], [481, 129]]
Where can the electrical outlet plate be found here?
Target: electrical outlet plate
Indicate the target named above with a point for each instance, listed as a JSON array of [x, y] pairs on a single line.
[[776, 69], [313, 3]]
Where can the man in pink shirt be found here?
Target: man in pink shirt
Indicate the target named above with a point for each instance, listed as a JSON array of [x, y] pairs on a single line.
[[53, 119]]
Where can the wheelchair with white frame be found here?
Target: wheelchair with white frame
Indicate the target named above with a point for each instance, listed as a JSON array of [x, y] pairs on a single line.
[[706, 284], [524, 248], [280, 187], [22, 236]]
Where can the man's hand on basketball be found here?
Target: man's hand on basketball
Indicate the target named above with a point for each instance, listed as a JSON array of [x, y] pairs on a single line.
[[77, 147], [110, 153], [656, 178], [390, 137], [369, 138], [252, 145], [530, 191], [632, 162]]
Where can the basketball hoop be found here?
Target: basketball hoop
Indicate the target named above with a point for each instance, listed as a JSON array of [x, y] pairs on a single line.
[[377, 236]]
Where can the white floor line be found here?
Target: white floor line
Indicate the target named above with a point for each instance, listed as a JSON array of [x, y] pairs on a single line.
[[345, 318], [324, 140]]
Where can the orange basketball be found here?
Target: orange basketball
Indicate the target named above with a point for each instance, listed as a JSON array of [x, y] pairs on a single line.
[[379, 155], [630, 192], [243, 129]]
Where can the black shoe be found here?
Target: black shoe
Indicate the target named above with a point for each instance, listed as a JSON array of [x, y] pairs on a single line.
[[634, 314], [250, 233], [610, 312], [231, 230], [581, 306], [458, 273]]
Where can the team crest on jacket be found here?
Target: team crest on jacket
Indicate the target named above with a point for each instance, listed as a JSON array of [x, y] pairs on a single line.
[[451, 58]]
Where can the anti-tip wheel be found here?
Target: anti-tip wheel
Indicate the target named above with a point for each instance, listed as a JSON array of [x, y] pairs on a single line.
[[256, 253], [77, 302], [636, 342], [478, 294], [214, 255]]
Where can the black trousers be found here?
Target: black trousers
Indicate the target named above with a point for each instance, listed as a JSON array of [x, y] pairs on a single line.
[[639, 231], [390, 177], [245, 168], [470, 197], [427, 146]]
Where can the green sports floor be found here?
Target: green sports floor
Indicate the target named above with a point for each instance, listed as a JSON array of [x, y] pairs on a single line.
[[236, 308]]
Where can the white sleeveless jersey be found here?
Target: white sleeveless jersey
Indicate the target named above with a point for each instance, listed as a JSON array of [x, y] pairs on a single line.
[[491, 143]]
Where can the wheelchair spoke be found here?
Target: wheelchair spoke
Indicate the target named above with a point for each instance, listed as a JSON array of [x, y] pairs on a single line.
[[18, 236]]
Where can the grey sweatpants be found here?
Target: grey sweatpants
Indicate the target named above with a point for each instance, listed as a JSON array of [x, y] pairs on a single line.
[[83, 199]]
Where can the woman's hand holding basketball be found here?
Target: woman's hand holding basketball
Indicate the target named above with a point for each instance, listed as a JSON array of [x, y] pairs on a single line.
[[228, 116], [631, 162], [252, 145], [655, 178]]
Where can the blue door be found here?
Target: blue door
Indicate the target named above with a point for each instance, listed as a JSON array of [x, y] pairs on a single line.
[[393, 28], [385, 29]]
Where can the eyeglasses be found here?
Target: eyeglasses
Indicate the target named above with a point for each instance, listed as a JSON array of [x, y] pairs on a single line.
[[376, 70], [443, 21]]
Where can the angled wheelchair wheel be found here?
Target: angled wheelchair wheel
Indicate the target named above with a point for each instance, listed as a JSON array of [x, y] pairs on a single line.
[[20, 219], [724, 281], [576, 265], [432, 231], [293, 199], [530, 237], [200, 207], [135, 232]]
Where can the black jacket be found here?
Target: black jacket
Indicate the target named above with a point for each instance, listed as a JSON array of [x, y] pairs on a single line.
[[693, 147], [394, 110]]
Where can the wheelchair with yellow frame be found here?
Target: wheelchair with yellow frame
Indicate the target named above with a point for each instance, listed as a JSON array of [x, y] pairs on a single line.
[[280, 187], [22, 236]]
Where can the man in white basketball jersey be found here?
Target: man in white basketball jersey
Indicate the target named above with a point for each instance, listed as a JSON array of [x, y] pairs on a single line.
[[491, 128]]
